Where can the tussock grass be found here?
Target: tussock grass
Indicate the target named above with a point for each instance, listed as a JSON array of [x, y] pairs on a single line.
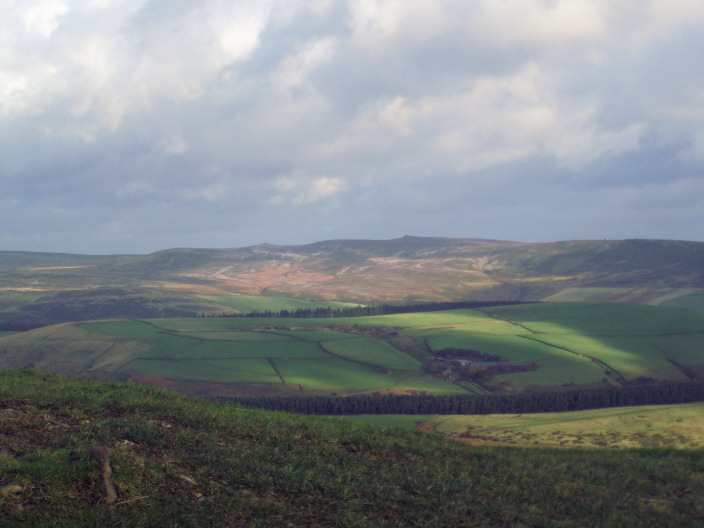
[[179, 461]]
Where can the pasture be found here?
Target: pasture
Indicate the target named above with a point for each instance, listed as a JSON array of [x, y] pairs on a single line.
[[224, 350], [693, 300], [370, 351], [662, 426], [573, 345], [601, 319]]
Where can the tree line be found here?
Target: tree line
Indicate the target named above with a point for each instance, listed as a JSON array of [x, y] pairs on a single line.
[[363, 311], [555, 401]]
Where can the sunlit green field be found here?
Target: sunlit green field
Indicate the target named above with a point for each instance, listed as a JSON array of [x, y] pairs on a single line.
[[372, 351], [602, 319], [679, 426]]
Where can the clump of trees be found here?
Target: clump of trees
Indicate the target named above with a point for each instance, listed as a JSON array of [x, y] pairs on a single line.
[[476, 366], [469, 354], [483, 372]]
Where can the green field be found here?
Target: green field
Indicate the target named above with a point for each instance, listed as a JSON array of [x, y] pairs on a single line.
[[321, 335], [673, 426], [694, 300], [630, 357], [235, 351], [685, 349], [372, 352], [603, 319], [217, 370], [572, 344], [337, 375], [284, 349]]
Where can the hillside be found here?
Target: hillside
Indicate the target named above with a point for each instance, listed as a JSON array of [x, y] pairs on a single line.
[[78, 453], [546, 346], [650, 426], [46, 288]]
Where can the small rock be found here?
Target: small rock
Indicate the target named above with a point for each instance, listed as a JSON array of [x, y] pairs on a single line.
[[5, 452]]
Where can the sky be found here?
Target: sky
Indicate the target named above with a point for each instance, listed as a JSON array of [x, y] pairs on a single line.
[[130, 126]]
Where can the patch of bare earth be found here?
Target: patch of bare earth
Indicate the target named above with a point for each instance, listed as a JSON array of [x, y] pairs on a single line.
[[267, 276], [426, 427]]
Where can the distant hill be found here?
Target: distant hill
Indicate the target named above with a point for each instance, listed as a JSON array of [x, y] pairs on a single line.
[[44, 287]]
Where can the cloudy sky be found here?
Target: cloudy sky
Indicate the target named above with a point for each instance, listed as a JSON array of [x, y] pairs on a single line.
[[128, 126]]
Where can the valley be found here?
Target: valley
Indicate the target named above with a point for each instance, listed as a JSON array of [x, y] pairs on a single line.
[[95, 349], [566, 345]]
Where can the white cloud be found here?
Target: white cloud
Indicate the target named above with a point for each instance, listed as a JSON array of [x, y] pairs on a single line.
[[238, 28], [380, 25], [541, 22], [293, 70], [297, 189], [41, 17]]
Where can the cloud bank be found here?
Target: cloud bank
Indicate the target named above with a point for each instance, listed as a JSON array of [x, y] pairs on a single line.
[[136, 125]]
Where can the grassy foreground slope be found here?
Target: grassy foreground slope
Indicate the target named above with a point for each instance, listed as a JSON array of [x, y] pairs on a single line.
[[178, 461]]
